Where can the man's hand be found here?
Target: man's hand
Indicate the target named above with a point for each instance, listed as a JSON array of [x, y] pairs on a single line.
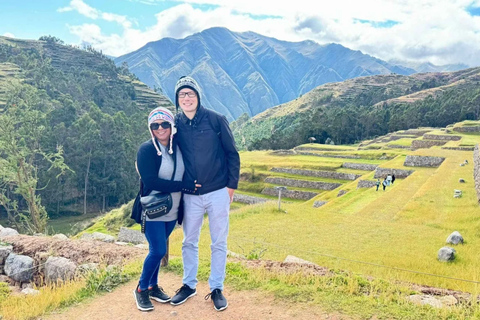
[[230, 193]]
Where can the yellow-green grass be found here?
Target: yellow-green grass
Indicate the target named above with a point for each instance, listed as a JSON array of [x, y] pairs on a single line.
[[402, 227], [402, 142], [328, 147]]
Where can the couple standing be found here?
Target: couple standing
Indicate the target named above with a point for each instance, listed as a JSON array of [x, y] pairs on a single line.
[[193, 157]]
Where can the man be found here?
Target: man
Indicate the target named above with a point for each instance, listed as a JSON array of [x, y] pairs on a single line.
[[211, 159]]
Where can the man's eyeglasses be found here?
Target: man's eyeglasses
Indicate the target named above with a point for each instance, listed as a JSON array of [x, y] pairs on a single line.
[[156, 125], [190, 94]]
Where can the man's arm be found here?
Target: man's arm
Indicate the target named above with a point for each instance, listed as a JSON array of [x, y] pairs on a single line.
[[231, 155]]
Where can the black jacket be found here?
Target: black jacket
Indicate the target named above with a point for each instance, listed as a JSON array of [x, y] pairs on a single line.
[[148, 165], [209, 153]]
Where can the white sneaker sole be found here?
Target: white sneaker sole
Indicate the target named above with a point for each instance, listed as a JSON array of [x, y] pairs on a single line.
[[221, 309], [160, 300], [184, 300], [138, 307]]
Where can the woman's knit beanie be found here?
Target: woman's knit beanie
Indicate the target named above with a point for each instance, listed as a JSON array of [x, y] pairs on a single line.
[[164, 114]]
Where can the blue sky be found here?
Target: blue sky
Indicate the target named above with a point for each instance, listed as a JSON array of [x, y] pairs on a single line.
[[437, 31]]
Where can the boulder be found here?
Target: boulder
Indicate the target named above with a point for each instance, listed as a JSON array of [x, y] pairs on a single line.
[[446, 254], [98, 236], [5, 232], [131, 236], [318, 204], [59, 268], [293, 259], [60, 236], [5, 250], [30, 292], [455, 238], [20, 268]]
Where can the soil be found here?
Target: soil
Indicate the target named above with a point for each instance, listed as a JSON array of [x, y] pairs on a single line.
[[242, 305]]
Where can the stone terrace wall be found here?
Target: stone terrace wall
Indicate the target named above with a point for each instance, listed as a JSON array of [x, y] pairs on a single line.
[[316, 173], [248, 199], [319, 149], [292, 194], [422, 161], [441, 137], [303, 183], [476, 170], [459, 148], [467, 129], [399, 173], [327, 155], [416, 132], [366, 184], [359, 166], [420, 144]]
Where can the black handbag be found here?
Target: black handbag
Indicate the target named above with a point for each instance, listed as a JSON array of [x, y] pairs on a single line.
[[157, 204]]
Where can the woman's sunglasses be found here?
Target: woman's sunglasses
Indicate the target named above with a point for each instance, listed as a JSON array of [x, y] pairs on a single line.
[[164, 125]]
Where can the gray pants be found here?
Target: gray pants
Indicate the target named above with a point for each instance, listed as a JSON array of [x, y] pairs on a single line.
[[217, 206]]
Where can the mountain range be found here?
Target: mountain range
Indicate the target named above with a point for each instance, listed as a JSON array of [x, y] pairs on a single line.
[[247, 72]]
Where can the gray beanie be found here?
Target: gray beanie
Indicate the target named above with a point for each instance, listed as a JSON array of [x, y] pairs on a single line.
[[186, 82]]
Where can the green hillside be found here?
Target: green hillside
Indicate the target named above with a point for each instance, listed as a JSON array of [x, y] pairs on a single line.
[[58, 104], [363, 108]]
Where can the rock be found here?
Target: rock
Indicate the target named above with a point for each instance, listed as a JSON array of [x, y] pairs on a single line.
[[461, 180], [60, 236], [448, 300], [173, 313], [30, 291], [8, 232], [293, 259], [457, 193], [446, 254], [86, 268], [20, 268], [121, 243], [4, 278], [235, 255], [38, 234], [4, 252], [425, 300], [59, 268], [455, 238], [341, 193], [26, 285], [462, 164], [41, 257], [318, 204], [2, 269], [98, 236], [141, 246], [131, 236]]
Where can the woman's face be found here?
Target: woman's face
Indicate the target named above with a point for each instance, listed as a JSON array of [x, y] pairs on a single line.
[[162, 134]]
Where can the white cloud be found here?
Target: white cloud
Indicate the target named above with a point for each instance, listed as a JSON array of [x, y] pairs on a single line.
[[440, 31], [82, 8], [8, 34]]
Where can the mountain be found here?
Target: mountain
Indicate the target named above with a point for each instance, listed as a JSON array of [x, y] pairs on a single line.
[[428, 67], [58, 98], [365, 107], [247, 72]]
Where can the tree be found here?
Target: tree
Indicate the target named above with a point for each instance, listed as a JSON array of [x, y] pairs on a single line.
[[22, 126]]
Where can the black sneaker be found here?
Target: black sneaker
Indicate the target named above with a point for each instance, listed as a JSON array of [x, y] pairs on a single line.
[[156, 293], [142, 300], [182, 295], [219, 301]]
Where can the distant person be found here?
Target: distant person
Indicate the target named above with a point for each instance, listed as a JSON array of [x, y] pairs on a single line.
[[389, 179], [393, 178], [377, 184], [384, 183], [212, 159], [156, 165]]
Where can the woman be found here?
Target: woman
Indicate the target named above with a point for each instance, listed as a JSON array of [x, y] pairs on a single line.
[[156, 165]]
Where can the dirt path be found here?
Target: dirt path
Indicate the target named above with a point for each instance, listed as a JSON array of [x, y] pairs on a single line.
[[254, 305]]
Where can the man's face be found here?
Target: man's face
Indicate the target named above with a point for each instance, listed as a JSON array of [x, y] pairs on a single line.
[[188, 100]]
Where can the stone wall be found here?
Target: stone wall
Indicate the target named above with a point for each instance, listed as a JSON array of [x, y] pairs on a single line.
[[420, 144], [303, 183], [441, 137], [320, 149], [292, 194], [467, 129], [476, 170], [359, 166], [423, 161], [321, 174], [399, 173], [416, 132], [366, 184], [398, 146], [328, 155], [459, 148], [243, 198]]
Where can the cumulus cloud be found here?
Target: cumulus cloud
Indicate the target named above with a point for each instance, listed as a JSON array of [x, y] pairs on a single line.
[[8, 34], [439, 31], [93, 13]]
